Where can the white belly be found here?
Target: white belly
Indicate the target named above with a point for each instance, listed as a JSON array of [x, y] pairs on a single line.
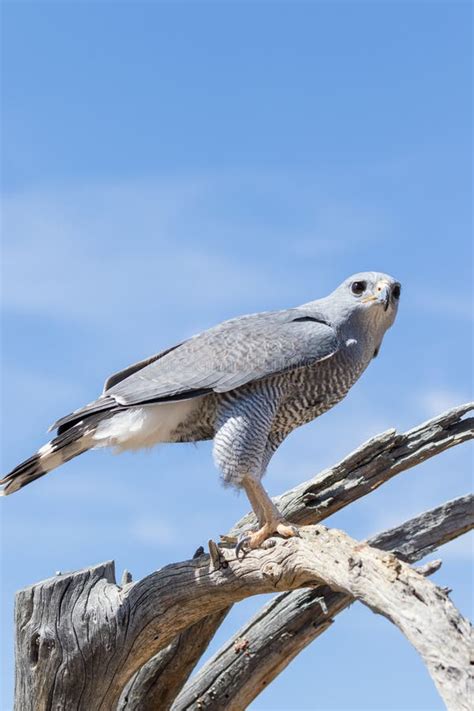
[[144, 426]]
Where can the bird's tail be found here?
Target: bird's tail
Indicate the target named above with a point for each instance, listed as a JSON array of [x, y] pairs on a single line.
[[67, 445]]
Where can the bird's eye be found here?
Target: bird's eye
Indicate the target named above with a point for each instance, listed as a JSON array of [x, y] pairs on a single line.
[[358, 287], [396, 291]]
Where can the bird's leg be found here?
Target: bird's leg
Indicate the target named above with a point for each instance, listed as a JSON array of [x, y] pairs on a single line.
[[254, 500], [269, 518]]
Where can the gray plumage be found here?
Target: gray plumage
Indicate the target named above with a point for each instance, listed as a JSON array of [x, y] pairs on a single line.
[[246, 383]]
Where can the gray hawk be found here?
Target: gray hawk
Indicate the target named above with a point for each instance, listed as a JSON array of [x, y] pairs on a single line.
[[246, 384]]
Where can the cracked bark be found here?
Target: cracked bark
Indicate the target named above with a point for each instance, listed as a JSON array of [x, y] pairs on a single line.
[[133, 624], [369, 466], [81, 637], [373, 463], [275, 635], [159, 681]]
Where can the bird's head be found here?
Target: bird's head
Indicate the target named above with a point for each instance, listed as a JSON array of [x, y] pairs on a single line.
[[369, 297]]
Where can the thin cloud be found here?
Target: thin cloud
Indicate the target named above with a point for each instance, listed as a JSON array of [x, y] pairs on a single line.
[[68, 257], [457, 304], [111, 252], [436, 400], [154, 532]]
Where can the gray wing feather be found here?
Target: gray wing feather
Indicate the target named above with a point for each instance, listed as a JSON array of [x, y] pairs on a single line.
[[105, 403], [126, 372], [229, 356]]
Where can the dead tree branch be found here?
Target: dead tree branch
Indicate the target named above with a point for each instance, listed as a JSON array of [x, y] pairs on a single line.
[[137, 622], [265, 645], [362, 471], [372, 464], [81, 637], [159, 681]]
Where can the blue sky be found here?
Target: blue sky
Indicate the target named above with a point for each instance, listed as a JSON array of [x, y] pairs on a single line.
[[169, 165]]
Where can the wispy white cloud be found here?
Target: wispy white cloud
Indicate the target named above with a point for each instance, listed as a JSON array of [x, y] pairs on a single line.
[[453, 304], [153, 532], [111, 252], [40, 387], [115, 252], [334, 219], [436, 400]]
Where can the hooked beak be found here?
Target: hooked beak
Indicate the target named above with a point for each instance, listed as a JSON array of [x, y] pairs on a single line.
[[381, 294], [382, 291]]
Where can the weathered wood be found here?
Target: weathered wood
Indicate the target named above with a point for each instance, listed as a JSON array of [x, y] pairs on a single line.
[[135, 623], [161, 678], [66, 629], [369, 466], [274, 636], [81, 637], [159, 681], [362, 471]]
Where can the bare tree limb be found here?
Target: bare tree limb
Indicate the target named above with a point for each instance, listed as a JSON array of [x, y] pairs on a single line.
[[135, 623], [373, 463], [362, 471], [429, 568], [80, 637], [265, 645], [158, 682]]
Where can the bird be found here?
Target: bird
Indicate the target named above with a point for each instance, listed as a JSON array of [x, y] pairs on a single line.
[[246, 383]]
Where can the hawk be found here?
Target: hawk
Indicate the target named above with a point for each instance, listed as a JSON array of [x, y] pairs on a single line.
[[245, 383]]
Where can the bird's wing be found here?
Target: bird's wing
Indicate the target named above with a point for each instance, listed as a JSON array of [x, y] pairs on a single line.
[[228, 356], [104, 402], [126, 372], [223, 358]]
